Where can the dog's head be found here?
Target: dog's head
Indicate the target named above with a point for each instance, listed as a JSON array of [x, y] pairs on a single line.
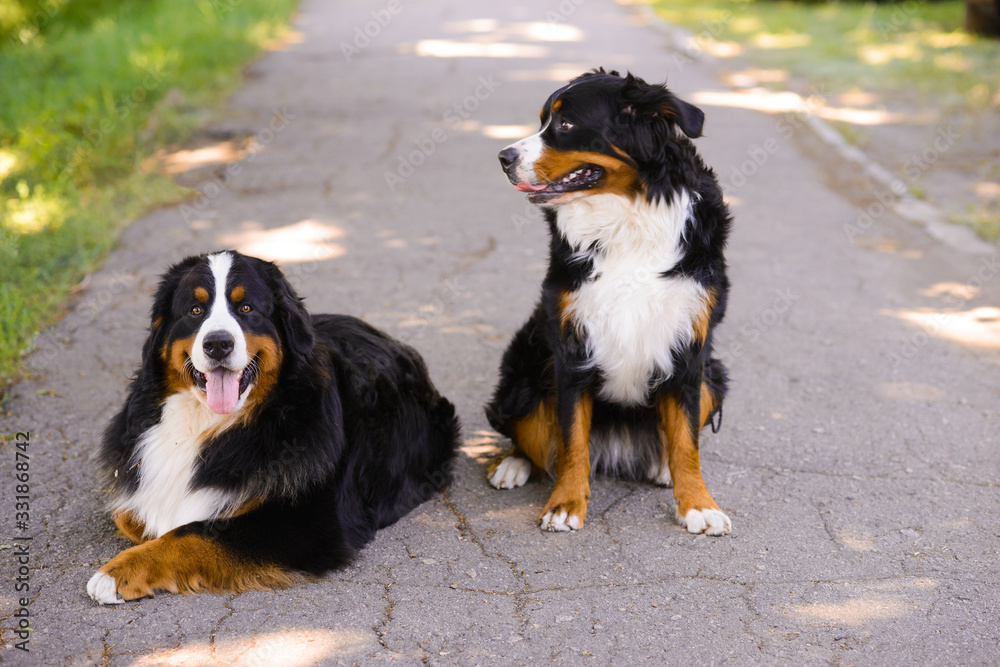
[[601, 133], [223, 326]]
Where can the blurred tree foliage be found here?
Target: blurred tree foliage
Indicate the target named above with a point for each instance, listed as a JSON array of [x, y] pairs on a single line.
[[23, 20]]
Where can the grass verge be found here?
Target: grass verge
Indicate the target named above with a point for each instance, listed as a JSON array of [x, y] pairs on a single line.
[[913, 54], [92, 89], [915, 48]]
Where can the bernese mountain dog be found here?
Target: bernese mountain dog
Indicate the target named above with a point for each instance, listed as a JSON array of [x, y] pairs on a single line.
[[613, 371], [259, 445]]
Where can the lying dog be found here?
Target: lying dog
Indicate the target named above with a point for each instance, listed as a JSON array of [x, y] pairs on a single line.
[[259, 444], [613, 370]]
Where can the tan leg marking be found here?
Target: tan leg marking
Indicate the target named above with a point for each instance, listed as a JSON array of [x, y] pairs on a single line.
[[661, 475], [695, 507], [534, 444], [567, 506], [186, 564]]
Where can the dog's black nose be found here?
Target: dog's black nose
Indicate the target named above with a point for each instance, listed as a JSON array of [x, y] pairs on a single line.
[[218, 345], [508, 157]]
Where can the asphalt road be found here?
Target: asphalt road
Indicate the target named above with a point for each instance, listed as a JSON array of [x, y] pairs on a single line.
[[858, 456]]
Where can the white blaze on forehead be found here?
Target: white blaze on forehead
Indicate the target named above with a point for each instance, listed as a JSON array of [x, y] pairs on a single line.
[[220, 319]]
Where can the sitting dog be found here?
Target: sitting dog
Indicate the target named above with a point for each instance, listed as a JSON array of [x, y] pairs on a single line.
[[259, 445], [614, 370]]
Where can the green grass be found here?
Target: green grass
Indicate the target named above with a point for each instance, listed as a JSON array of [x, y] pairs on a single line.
[[90, 93], [915, 49], [985, 219]]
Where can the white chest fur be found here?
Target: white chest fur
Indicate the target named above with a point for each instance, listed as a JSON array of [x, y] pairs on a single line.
[[166, 455], [633, 318]]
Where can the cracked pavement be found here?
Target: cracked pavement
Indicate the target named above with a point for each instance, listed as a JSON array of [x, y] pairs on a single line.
[[857, 458]]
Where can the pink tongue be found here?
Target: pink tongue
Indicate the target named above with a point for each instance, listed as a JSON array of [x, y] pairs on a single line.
[[223, 389], [528, 187]]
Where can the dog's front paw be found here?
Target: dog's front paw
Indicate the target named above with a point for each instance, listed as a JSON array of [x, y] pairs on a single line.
[[131, 575], [510, 473], [103, 590], [560, 521], [708, 521], [115, 585], [563, 517]]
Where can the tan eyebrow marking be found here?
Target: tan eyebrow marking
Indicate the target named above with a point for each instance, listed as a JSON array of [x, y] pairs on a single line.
[[238, 293], [201, 294]]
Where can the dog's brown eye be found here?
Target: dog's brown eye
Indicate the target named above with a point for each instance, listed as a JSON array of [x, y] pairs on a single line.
[[197, 310], [246, 308], [566, 125]]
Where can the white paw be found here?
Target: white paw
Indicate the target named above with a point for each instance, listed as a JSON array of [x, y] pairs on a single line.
[[101, 588], [660, 475], [511, 473], [710, 522], [558, 523]]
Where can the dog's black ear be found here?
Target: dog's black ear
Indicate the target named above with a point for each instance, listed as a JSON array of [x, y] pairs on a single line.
[[643, 100], [294, 324], [163, 300], [160, 314], [688, 117]]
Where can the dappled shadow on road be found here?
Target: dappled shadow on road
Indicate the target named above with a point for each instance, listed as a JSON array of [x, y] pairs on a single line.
[[883, 601], [306, 241], [978, 327], [490, 38], [292, 648], [769, 101]]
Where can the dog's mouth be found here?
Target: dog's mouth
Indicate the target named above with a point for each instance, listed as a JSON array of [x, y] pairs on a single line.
[[582, 178], [223, 387]]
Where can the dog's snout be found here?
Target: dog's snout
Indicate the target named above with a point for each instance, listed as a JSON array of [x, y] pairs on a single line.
[[508, 157], [218, 345]]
